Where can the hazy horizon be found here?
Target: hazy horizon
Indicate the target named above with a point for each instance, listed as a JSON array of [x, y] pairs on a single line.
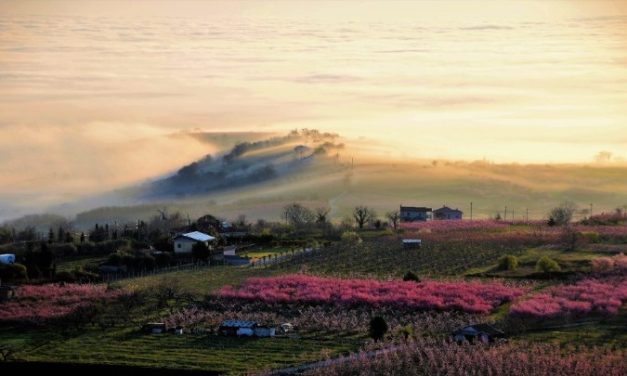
[[94, 91]]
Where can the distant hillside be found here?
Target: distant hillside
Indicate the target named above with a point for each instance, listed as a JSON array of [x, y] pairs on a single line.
[[260, 175]]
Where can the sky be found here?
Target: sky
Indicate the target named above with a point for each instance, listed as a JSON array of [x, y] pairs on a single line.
[[98, 94]]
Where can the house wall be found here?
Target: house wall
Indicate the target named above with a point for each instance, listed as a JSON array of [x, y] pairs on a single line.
[[184, 245], [448, 215], [410, 216]]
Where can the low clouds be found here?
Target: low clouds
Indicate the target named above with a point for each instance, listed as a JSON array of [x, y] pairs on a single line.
[[88, 103]]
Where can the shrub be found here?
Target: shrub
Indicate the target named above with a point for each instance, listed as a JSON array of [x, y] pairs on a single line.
[[508, 262], [63, 249], [546, 264], [378, 328], [351, 237], [65, 276], [13, 273], [411, 276]]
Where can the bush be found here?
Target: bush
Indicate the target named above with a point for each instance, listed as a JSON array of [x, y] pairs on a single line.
[[13, 272], [378, 328], [546, 264], [411, 276], [65, 277], [351, 237], [63, 249], [508, 262]]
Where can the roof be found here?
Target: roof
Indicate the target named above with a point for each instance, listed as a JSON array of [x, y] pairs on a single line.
[[238, 324], [197, 236], [412, 241], [447, 209], [480, 328], [415, 208]]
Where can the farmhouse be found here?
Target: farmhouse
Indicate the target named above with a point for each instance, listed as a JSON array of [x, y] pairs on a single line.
[[413, 213], [484, 333], [184, 243], [447, 213]]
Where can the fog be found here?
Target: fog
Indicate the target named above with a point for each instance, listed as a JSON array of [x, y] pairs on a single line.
[[99, 95]]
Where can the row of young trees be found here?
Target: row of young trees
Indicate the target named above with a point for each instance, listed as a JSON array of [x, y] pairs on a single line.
[[301, 216]]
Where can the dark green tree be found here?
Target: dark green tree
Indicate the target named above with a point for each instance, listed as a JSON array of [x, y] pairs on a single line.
[[411, 276], [200, 252], [378, 328]]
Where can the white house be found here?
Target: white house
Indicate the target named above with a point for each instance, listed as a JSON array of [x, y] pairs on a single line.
[[184, 243]]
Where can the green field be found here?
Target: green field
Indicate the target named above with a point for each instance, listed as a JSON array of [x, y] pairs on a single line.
[[127, 346]]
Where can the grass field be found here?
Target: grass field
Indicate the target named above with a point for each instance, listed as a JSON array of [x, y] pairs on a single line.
[[76, 262], [126, 346]]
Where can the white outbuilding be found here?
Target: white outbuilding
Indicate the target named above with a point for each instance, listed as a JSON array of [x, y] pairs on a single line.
[[184, 243]]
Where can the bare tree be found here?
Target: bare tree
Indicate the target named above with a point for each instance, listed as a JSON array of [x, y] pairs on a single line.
[[322, 214], [563, 214], [363, 215], [394, 217], [298, 215]]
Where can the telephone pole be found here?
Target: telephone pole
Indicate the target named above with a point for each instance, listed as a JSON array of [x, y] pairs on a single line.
[[471, 210]]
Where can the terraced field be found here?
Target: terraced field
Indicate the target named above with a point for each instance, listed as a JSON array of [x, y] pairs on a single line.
[[386, 258], [126, 346]]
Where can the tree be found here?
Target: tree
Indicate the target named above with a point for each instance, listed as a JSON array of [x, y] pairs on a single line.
[[394, 217], [363, 215], [82, 239], [378, 328], [508, 262], [411, 276], [298, 215], [50, 236], [322, 215], [563, 214], [200, 252], [60, 234], [546, 264]]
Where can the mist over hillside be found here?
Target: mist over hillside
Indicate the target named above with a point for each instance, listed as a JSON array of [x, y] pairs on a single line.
[[262, 173], [250, 163]]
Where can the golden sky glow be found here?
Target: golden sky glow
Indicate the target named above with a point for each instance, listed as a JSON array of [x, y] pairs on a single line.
[[82, 83]]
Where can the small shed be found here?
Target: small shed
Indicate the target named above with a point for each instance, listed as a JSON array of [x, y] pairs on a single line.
[[412, 243], [229, 250], [265, 331], [184, 243], [286, 327], [154, 328], [484, 333], [238, 328]]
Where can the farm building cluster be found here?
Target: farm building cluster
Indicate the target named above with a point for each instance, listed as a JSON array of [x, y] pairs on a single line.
[[422, 213]]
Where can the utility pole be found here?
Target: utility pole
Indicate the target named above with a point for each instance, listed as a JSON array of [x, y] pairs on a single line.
[[471, 210], [513, 216], [590, 209], [527, 215], [505, 216]]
